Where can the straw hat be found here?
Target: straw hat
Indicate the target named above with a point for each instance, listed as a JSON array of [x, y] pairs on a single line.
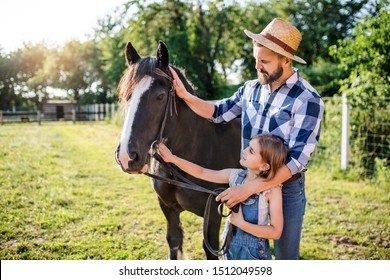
[[281, 37]]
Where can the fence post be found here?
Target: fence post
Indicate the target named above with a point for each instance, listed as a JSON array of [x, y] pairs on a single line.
[[1, 117], [74, 115], [106, 110], [101, 117], [344, 133], [39, 117], [90, 112], [112, 110], [96, 112]]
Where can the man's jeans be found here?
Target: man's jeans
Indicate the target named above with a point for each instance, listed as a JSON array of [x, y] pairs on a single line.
[[294, 202]]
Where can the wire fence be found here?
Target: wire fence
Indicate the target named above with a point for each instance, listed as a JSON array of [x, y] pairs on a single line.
[[355, 138]]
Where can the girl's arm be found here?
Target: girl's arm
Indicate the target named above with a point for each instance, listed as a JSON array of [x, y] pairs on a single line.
[[216, 176], [271, 231]]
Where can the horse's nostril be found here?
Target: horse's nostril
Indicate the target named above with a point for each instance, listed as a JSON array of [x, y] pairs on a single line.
[[133, 156]]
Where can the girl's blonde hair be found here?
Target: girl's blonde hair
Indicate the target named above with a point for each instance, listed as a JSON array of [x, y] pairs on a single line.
[[273, 152]]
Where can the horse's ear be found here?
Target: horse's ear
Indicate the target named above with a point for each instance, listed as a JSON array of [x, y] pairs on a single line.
[[131, 54], [162, 55]]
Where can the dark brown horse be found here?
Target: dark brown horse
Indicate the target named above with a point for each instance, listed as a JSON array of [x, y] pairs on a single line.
[[145, 89]]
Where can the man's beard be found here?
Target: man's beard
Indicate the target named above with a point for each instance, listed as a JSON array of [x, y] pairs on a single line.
[[267, 79]]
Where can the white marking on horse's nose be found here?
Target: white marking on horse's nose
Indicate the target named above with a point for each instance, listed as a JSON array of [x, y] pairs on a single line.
[[124, 160], [131, 110]]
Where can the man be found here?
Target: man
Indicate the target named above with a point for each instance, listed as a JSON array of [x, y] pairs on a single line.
[[279, 102]]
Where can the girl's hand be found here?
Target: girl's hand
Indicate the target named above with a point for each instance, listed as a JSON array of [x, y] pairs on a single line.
[[177, 84], [165, 153], [236, 218]]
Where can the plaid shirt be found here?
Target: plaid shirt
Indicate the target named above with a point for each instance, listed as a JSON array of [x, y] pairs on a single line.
[[292, 112]]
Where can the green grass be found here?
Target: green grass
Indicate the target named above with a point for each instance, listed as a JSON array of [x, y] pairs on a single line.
[[63, 197]]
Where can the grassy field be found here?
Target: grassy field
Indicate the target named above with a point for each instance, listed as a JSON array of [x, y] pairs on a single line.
[[62, 197]]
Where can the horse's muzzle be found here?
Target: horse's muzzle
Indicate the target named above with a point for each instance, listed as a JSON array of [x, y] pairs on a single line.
[[129, 162]]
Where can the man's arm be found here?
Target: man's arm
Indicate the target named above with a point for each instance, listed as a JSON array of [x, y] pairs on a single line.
[[232, 196]]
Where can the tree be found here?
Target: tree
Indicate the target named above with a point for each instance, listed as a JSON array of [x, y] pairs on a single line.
[[8, 98], [366, 56], [109, 39], [208, 26], [321, 22], [74, 68], [17, 74]]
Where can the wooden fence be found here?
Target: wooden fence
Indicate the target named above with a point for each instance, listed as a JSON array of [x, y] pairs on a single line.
[[90, 112]]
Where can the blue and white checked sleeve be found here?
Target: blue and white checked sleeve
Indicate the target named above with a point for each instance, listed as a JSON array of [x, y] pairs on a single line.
[[229, 108], [305, 133]]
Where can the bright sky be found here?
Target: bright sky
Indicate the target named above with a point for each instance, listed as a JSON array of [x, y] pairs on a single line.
[[52, 21]]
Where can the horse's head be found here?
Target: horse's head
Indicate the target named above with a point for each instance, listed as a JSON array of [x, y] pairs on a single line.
[[144, 90]]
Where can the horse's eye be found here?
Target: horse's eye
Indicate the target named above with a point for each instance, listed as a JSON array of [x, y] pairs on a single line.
[[160, 96]]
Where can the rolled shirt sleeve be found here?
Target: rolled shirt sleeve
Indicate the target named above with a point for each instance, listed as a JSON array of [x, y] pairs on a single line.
[[228, 109], [304, 134]]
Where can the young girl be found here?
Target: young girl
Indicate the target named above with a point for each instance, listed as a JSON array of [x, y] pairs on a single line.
[[249, 238]]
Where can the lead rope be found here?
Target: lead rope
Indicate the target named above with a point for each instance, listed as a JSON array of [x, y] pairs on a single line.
[[187, 184], [231, 228]]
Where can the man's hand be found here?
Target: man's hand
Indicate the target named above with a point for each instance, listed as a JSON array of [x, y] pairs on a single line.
[[232, 196], [201, 107], [178, 85]]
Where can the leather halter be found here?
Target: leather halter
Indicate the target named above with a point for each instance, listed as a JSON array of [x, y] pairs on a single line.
[[171, 104], [161, 73]]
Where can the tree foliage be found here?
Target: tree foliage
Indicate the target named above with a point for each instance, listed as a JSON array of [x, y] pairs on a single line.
[[366, 56], [17, 73], [199, 35], [205, 38], [73, 68], [321, 22]]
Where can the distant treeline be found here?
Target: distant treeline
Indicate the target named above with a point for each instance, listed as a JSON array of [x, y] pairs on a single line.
[[206, 39]]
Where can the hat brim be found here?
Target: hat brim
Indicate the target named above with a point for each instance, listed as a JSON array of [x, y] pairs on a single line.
[[272, 46]]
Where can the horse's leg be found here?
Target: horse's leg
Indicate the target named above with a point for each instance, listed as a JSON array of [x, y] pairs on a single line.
[[174, 232], [213, 232]]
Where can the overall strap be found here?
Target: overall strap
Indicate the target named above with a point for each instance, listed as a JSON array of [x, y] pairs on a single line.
[[231, 230], [241, 177]]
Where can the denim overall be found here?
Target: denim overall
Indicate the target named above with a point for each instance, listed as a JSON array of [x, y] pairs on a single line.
[[245, 246]]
